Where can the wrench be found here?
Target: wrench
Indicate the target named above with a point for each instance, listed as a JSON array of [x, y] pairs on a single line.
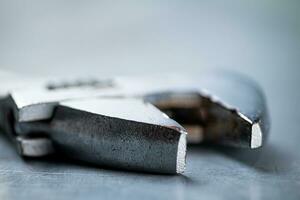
[[125, 122]]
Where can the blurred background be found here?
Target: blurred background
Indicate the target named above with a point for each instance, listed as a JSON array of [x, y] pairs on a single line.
[[105, 38]]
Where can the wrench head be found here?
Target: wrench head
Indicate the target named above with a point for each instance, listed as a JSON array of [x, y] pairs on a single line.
[[117, 125]]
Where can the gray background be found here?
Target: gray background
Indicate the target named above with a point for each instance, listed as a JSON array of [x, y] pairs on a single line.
[[105, 38]]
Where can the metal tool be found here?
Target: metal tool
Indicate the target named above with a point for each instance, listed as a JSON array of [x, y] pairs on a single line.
[[127, 122]]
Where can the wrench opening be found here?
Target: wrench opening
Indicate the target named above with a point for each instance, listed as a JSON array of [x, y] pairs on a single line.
[[204, 119]]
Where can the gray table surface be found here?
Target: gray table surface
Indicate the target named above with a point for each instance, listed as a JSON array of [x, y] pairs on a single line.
[[258, 38]]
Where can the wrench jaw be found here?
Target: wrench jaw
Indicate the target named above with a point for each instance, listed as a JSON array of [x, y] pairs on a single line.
[[204, 120], [120, 133], [244, 98], [227, 108]]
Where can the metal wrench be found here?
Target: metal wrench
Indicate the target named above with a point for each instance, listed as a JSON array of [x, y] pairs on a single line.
[[113, 122]]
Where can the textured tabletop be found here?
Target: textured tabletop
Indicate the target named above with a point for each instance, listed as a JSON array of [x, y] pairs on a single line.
[[98, 38]]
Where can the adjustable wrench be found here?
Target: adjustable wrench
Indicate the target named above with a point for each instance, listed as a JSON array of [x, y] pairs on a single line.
[[130, 123]]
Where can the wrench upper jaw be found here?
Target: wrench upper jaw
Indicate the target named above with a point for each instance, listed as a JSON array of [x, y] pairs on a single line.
[[209, 118], [245, 98], [244, 131], [230, 126]]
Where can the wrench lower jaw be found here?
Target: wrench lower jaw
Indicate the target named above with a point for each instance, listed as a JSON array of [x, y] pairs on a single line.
[[118, 143], [113, 142]]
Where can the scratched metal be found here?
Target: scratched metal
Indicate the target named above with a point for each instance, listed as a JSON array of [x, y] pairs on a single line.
[[258, 38]]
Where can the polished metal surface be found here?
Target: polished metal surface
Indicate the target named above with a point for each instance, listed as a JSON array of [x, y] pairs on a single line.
[[257, 38]]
